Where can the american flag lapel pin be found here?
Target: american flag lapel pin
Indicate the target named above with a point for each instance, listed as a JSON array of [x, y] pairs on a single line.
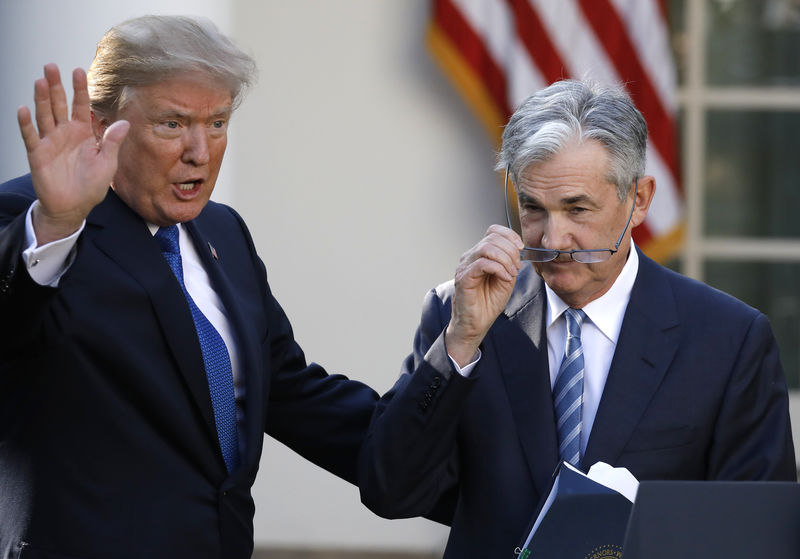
[[213, 251]]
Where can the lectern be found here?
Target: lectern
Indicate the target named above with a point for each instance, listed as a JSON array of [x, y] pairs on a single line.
[[714, 519]]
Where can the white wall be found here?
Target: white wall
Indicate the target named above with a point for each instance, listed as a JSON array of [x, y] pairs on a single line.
[[366, 180], [361, 174]]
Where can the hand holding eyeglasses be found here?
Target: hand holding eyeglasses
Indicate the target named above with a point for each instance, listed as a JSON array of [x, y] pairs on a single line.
[[484, 279]]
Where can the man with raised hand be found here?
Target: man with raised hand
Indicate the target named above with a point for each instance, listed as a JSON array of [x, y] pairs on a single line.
[[143, 354]]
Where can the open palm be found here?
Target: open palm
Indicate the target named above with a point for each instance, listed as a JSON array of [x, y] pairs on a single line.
[[70, 167]]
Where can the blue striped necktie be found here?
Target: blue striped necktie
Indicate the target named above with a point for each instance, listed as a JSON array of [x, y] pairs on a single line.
[[568, 391], [215, 356]]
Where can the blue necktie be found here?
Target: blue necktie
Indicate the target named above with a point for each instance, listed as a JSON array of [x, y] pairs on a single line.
[[215, 356], [568, 391]]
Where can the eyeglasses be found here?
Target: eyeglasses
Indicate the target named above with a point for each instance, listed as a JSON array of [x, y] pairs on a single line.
[[584, 256]]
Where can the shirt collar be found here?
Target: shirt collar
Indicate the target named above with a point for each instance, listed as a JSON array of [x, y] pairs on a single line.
[[154, 228], [607, 311]]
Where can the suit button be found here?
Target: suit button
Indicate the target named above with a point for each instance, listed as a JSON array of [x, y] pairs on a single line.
[[436, 382]]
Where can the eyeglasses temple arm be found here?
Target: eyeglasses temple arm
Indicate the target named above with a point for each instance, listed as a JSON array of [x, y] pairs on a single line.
[[633, 207], [505, 194]]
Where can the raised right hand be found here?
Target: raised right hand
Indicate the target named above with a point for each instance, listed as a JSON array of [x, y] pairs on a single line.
[[70, 167], [484, 280]]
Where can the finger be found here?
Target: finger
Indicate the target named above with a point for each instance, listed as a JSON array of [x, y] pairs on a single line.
[[112, 139], [501, 249], [58, 97], [486, 264], [490, 267], [506, 233], [484, 252], [80, 96], [44, 112], [500, 244], [509, 241], [27, 129]]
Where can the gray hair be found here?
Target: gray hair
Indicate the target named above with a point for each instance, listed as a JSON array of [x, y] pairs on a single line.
[[149, 49], [576, 110]]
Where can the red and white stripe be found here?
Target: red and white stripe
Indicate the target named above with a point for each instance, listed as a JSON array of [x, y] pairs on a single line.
[[501, 51]]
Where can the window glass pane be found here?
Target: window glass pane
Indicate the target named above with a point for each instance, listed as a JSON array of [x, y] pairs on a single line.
[[753, 42], [679, 38], [774, 289], [752, 174]]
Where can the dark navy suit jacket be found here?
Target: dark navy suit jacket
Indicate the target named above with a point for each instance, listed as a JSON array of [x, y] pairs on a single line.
[[695, 391], [107, 441]]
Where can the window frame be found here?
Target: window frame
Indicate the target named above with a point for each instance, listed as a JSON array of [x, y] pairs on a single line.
[[695, 99]]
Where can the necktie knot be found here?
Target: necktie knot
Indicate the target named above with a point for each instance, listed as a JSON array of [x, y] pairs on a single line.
[[575, 318], [167, 238]]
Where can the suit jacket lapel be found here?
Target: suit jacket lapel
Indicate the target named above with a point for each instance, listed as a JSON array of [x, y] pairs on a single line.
[[220, 270], [645, 349], [519, 337], [123, 237]]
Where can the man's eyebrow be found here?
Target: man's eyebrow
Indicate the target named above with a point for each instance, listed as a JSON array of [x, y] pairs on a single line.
[[177, 114], [225, 111], [579, 199], [526, 198], [168, 114]]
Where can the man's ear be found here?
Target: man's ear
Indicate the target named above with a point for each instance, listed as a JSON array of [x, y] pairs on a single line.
[[644, 196], [99, 125]]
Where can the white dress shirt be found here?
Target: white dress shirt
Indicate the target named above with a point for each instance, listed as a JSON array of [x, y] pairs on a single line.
[[599, 335]]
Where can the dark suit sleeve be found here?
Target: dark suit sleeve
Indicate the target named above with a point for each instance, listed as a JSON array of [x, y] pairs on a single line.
[[322, 417], [753, 439], [22, 301], [409, 462]]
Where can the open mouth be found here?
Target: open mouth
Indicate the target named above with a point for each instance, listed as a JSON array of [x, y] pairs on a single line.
[[189, 188]]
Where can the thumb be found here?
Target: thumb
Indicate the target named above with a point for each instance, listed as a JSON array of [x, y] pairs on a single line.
[[113, 137]]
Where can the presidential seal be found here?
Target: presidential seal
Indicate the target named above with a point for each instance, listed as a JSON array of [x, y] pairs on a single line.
[[605, 552]]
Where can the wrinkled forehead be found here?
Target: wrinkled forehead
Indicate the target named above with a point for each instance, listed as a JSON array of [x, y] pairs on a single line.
[[584, 165]]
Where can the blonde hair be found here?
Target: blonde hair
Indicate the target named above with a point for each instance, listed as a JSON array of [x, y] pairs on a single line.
[[151, 49]]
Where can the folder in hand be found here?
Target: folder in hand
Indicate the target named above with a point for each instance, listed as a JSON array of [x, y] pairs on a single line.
[[580, 518]]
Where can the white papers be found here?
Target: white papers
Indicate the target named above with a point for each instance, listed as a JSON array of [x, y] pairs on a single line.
[[618, 479]]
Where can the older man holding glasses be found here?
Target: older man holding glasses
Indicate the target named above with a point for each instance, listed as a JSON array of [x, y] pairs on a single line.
[[591, 353]]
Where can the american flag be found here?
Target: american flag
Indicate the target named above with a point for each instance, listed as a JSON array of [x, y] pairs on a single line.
[[498, 52]]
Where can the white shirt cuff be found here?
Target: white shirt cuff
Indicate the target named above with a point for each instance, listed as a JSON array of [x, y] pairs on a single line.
[[467, 369], [47, 263]]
